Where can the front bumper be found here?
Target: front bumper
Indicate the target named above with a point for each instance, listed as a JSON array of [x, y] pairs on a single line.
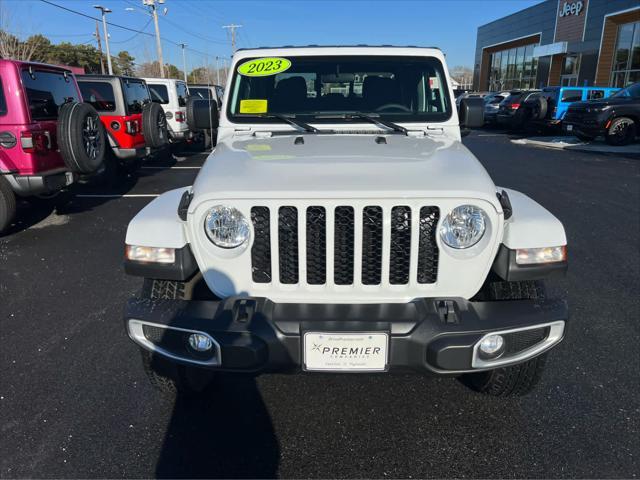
[[437, 336]]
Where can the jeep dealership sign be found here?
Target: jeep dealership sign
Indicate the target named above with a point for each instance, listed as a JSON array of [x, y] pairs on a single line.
[[571, 9]]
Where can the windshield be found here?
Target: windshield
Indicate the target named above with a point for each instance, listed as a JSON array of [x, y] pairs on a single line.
[[632, 91], [318, 88]]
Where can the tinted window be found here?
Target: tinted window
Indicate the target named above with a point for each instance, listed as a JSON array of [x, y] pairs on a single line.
[[571, 95], [135, 95], [632, 91], [595, 94], [327, 87], [46, 91], [159, 93], [98, 94], [181, 89], [3, 103], [201, 92]]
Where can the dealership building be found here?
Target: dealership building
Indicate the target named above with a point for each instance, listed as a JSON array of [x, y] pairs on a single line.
[[561, 42]]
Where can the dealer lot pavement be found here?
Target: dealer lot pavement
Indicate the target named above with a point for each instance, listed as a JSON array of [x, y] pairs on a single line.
[[74, 401]]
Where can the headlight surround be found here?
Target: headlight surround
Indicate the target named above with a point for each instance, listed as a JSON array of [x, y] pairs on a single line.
[[463, 227], [226, 226]]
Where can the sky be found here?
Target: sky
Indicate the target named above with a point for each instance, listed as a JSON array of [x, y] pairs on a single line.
[[450, 25]]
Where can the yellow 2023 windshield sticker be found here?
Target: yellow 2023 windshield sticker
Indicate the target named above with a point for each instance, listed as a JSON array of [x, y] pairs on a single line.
[[263, 67], [253, 106]]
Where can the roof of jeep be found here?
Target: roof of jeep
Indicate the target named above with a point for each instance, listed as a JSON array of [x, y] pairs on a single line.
[[337, 46], [106, 77], [20, 63]]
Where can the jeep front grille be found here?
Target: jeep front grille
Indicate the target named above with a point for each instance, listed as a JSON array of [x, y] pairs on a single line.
[[373, 253]]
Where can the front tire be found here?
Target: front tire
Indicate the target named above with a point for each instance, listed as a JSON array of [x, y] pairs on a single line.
[[622, 131], [516, 380], [167, 377]]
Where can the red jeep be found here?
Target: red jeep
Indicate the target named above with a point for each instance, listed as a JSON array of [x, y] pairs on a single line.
[[134, 124], [47, 136]]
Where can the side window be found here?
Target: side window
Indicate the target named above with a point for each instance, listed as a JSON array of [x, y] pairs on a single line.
[[135, 95], [181, 89], [569, 95], [595, 94], [99, 94], [159, 93], [3, 103]]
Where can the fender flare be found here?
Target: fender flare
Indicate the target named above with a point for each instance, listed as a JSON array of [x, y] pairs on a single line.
[[158, 224], [531, 225]]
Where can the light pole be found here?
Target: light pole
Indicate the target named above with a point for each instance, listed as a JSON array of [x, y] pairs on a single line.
[[184, 62], [154, 12], [104, 11]]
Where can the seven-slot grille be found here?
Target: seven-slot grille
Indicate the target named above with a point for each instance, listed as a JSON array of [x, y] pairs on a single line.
[[344, 245]]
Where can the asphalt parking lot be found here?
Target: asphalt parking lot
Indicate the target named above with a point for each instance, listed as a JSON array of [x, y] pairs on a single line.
[[74, 401]]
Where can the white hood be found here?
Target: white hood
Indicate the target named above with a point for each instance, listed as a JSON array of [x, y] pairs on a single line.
[[342, 166]]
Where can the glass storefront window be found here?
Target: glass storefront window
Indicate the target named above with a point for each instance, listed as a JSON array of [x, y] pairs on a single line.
[[626, 60], [513, 68]]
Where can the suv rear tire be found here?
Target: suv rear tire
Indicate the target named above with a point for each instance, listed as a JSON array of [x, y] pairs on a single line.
[[168, 377], [622, 131], [82, 138], [154, 125], [518, 379], [7, 204]]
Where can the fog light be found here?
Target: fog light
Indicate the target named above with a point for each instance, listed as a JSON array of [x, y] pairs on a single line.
[[532, 256], [492, 346], [200, 343], [150, 254]]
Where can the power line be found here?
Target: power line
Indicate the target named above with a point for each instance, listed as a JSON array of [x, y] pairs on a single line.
[[232, 28]]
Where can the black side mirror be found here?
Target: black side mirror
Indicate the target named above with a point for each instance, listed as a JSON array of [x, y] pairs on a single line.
[[471, 112], [202, 114]]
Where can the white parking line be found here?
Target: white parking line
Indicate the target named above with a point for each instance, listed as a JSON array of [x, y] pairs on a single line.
[[171, 168], [127, 195]]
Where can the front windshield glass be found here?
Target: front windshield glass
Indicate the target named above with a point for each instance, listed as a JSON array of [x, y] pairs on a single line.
[[317, 88], [632, 91]]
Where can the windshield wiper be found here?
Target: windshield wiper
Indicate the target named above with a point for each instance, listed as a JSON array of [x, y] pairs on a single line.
[[292, 121], [394, 126]]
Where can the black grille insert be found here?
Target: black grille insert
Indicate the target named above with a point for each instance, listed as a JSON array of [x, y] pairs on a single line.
[[288, 244], [516, 342], [427, 246], [400, 246], [371, 245], [261, 249], [343, 246], [316, 246]]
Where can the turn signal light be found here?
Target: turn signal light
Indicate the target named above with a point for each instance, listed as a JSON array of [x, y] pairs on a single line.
[[34, 142], [132, 127], [533, 256], [515, 106], [180, 117], [150, 254]]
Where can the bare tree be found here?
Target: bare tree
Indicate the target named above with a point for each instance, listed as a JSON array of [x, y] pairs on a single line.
[[10, 44], [463, 75]]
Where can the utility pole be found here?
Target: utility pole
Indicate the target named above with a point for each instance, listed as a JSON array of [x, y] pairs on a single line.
[[154, 12], [184, 62], [97, 34], [104, 11], [233, 27], [217, 71]]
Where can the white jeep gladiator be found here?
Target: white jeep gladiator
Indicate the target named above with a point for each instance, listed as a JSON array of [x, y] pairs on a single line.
[[340, 225]]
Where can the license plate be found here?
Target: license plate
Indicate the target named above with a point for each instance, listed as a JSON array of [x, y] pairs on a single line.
[[569, 128], [356, 352]]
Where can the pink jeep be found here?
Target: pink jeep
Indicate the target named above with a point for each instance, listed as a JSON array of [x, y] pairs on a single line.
[[47, 136]]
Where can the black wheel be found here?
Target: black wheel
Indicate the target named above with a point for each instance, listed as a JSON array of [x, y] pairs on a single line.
[[512, 381], [81, 137], [622, 131], [166, 376], [518, 379], [583, 137], [154, 125], [7, 205]]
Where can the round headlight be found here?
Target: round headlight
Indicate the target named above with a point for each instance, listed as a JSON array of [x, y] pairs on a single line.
[[226, 227], [464, 226]]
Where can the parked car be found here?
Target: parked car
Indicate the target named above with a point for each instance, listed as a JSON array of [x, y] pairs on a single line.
[[209, 93], [512, 112], [616, 117], [172, 94], [491, 104], [206, 92], [360, 239], [470, 95], [550, 107], [134, 124], [47, 136]]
